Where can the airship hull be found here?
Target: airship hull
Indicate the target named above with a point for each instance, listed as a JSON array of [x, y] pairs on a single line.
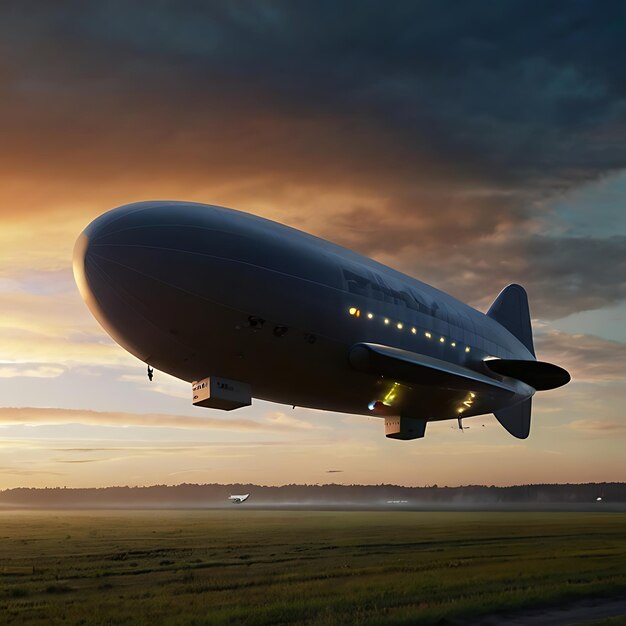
[[196, 290]]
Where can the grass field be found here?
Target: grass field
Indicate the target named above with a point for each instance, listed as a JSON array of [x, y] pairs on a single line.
[[314, 567]]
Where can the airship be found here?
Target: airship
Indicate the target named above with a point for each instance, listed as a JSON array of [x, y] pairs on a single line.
[[239, 499], [242, 307]]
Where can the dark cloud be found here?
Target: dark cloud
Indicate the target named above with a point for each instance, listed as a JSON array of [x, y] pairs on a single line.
[[447, 125], [473, 257], [562, 275], [515, 95]]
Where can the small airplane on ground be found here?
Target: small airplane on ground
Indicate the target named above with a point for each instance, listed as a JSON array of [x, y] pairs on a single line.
[[239, 499]]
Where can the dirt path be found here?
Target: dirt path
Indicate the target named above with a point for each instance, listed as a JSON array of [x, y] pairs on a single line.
[[580, 612]]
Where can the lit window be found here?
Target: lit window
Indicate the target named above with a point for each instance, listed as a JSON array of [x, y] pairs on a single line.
[[442, 339], [467, 349], [413, 330], [427, 335], [399, 325]]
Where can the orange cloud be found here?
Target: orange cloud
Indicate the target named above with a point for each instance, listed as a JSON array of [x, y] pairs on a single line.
[[599, 427], [31, 416], [12, 369], [588, 358]]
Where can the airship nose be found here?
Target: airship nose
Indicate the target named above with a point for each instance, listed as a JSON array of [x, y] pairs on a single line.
[[79, 266], [103, 298], [117, 277], [92, 251], [167, 280]]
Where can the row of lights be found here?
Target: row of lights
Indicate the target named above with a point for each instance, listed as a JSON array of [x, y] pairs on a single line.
[[400, 326]]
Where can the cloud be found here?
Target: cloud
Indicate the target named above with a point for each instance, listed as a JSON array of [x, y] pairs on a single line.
[[566, 275], [17, 471], [598, 428], [80, 450], [562, 275], [431, 138], [425, 81], [472, 449], [587, 358], [191, 471], [163, 383], [444, 143], [43, 322], [427, 84], [28, 415], [16, 369], [278, 418]]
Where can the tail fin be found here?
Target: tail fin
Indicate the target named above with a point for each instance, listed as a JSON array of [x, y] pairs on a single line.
[[516, 419], [510, 309]]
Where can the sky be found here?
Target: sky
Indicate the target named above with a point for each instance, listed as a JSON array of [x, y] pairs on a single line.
[[470, 145]]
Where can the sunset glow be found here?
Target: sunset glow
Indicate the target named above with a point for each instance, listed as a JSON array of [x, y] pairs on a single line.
[[516, 174]]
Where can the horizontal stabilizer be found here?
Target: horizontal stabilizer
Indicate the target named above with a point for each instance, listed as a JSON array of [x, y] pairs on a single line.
[[411, 367], [516, 419], [537, 374], [510, 309]]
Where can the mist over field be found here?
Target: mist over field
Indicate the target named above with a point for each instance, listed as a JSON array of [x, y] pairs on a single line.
[[592, 496]]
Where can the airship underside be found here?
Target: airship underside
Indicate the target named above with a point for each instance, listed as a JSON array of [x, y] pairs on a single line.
[[244, 307]]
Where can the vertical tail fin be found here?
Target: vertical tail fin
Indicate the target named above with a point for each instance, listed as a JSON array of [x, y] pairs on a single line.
[[516, 419], [510, 309]]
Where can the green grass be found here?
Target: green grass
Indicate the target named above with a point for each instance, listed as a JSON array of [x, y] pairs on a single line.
[[306, 567]]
